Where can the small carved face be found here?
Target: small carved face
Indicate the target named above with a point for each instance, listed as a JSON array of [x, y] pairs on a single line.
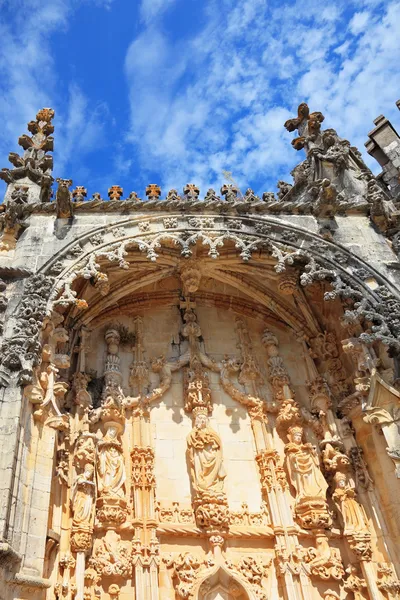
[[341, 483], [296, 436], [112, 432], [201, 421]]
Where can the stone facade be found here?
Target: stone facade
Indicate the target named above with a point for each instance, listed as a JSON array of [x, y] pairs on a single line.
[[199, 395]]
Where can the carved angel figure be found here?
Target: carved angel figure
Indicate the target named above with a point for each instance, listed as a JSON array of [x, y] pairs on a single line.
[[303, 467], [83, 497], [111, 466], [205, 456], [353, 514]]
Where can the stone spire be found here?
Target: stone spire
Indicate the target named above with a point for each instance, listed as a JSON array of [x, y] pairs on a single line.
[[35, 165]]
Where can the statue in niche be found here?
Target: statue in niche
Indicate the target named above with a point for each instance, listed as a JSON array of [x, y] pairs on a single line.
[[205, 456], [303, 467], [83, 497], [111, 467], [353, 514]]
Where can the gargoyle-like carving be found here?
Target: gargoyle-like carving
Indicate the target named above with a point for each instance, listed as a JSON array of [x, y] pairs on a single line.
[[284, 188], [63, 199]]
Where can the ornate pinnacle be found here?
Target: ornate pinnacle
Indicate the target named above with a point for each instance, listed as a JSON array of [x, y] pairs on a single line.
[[34, 163]]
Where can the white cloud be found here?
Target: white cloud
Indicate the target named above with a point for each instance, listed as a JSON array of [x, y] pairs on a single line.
[[219, 99], [152, 9], [28, 79], [359, 22]]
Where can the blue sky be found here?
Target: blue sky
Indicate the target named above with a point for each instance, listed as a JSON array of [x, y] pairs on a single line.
[[176, 91]]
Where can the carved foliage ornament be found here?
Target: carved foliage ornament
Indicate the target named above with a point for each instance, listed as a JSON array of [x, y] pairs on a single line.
[[22, 351]]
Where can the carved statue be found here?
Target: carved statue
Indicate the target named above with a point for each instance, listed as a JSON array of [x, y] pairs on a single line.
[[303, 467], [83, 496], [353, 514], [111, 467], [205, 456]]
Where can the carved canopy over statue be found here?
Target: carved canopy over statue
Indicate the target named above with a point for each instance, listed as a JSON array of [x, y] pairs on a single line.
[[205, 456]]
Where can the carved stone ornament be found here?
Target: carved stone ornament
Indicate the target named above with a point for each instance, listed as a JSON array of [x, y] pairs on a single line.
[[355, 583], [112, 556], [387, 580], [324, 562], [272, 474], [197, 389], [36, 163], [22, 351]]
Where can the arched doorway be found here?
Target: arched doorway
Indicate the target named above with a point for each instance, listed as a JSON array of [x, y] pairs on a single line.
[[222, 586]]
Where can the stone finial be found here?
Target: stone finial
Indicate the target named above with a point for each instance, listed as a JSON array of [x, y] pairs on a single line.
[[79, 193], [173, 196], [229, 191], [115, 192], [133, 197], [211, 196], [249, 196], [35, 162], [307, 124], [191, 191], [153, 191], [96, 196]]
